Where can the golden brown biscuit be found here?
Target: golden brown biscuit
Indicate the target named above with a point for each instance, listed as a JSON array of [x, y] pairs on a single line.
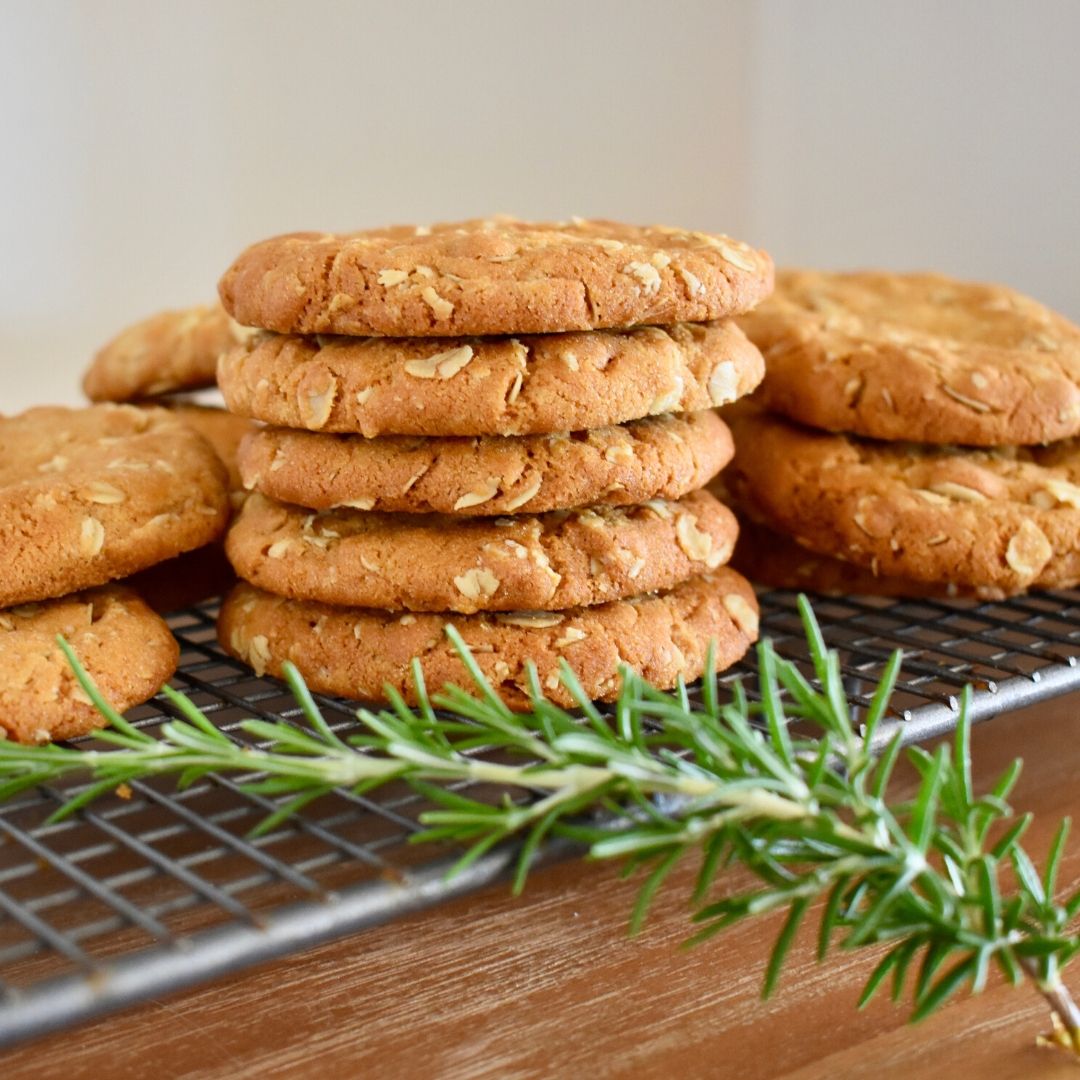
[[355, 652], [170, 351], [91, 495], [126, 649], [488, 386], [431, 562], [918, 356], [776, 561], [492, 277], [1005, 519], [220, 428], [663, 457]]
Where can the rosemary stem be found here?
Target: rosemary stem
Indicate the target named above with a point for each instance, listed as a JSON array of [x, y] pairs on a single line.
[[1061, 1001], [1063, 1007], [350, 769], [579, 778], [576, 777]]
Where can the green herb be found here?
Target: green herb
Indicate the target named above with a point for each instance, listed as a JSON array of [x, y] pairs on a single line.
[[940, 879]]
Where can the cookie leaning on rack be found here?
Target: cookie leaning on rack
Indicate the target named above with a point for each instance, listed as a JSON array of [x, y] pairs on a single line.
[[173, 351]]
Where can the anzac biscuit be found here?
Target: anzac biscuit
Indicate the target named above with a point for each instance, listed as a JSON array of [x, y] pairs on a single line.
[[435, 563], [170, 351], [775, 561], [919, 357], [126, 649], [221, 429], [1006, 519], [356, 652], [660, 457], [90, 495], [492, 277], [487, 386]]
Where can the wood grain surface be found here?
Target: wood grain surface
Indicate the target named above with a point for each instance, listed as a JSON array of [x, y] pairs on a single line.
[[549, 985]]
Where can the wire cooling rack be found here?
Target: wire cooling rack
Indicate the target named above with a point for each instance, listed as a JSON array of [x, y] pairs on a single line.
[[141, 896]]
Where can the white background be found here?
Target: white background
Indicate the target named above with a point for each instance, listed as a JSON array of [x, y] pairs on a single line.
[[145, 144]]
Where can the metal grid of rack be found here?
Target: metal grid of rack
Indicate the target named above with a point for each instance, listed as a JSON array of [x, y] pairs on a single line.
[[141, 896]]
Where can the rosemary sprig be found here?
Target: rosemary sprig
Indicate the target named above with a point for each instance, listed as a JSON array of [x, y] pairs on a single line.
[[940, 878]]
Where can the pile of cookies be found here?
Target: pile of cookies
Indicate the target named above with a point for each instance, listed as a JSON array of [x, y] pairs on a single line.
[[497, 425], [88, 497], [916, 435]]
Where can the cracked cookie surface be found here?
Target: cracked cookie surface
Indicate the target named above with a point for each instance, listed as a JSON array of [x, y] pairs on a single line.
[[918, 356], [487, 386], [1003, 518], [433, 562], [127, 650], [355, 652], [168, 352], [90, 495], [495, 276], [660, 457]]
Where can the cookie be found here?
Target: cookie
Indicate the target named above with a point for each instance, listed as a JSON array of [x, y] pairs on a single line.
[[434, 563], [90, 495], [221, 429], [127, 650], [1005, 518], [492, 277], [487, 386], [919, 357], [356, 652], [170, 351], [775, 561], [663, 457]]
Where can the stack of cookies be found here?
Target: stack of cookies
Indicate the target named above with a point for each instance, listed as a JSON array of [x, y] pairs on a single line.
[[916, 436], [87, 497], [499, 426]]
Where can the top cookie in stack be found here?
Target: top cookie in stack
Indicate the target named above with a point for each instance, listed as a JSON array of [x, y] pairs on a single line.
[[899, 369], [421, 381]]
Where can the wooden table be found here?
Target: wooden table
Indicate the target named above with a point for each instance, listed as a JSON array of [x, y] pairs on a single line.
[[549, 985]]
